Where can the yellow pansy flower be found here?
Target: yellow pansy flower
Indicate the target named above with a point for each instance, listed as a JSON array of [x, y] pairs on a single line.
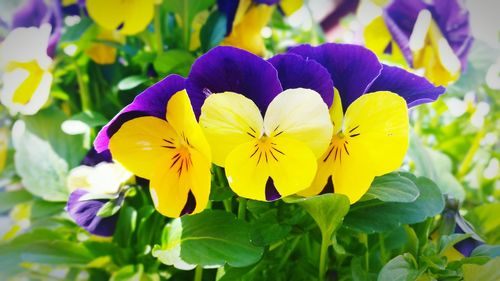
[[172, 153], [128, 16]]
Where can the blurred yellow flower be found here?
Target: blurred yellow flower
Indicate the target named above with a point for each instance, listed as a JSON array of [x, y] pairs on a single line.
[[103, 52], [128, 16], [4, 144], [26, 69]]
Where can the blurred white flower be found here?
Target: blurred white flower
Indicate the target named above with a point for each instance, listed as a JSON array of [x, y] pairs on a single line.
[[104, 178], [26, 69]]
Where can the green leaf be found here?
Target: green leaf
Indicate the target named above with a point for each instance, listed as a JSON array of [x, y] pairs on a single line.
[[447, 241], [327, 210], [393, 188], [128, 273], [214, 30], [174, 61], [377, 216], [492, 251], [187, 9], [131, 82], [75, 32], [400, 268], [108, 209], [267, 229], [485, 272], [8, 199], [56, 252], [91, 118], [43, 172], [44, 209], [125, 227], [46, 125], [209, 238], [485, 220]]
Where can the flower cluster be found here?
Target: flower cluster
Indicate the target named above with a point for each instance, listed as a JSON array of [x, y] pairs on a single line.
[[315, 119]]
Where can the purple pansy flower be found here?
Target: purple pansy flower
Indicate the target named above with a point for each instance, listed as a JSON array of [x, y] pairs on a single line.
[[465, 247], [451, 16], [84, 212], [36, 13]]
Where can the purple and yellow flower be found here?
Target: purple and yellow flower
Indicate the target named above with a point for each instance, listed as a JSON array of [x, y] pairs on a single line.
[[158, 138], [247, 18], [266, 133], [369, 116], [129, 17], [92, 185], [435, 36]]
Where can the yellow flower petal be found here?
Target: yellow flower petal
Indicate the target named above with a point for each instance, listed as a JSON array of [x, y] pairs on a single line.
[[377, 35], [181, 116], [336, 112], [300, 114], [246, 34], [131, 16], [142, 144], [229, 120], [184, 187], [270, 165], [290, 6], [172, 153], [373, 142]]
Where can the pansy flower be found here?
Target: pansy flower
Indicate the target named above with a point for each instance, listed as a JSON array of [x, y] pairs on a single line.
[[35, 13], [158, 138], [92, 185], [129, 17], [369, 116], [431, 35], [103, 52], [246, 18], [26, 69], [267, 134]]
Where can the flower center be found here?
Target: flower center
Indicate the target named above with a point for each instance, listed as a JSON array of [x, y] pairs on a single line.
[[265, 150]]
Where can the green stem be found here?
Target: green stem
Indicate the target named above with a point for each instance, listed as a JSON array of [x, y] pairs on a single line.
[[469, 157], [383, 253], [364, 240], [325, 242], [84, 94], [227, 205], [198, 273], [186, 24], [157, 25], [242, 207]]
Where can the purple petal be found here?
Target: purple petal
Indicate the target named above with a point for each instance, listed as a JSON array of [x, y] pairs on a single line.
[[465, 247], [85, 214], [32, 13], [401, 37], [151, 102], [414, 89], [93, 157], [228, 8], [452, 18], [296, 72], [231, 69], [267, 2], [352, 68]]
